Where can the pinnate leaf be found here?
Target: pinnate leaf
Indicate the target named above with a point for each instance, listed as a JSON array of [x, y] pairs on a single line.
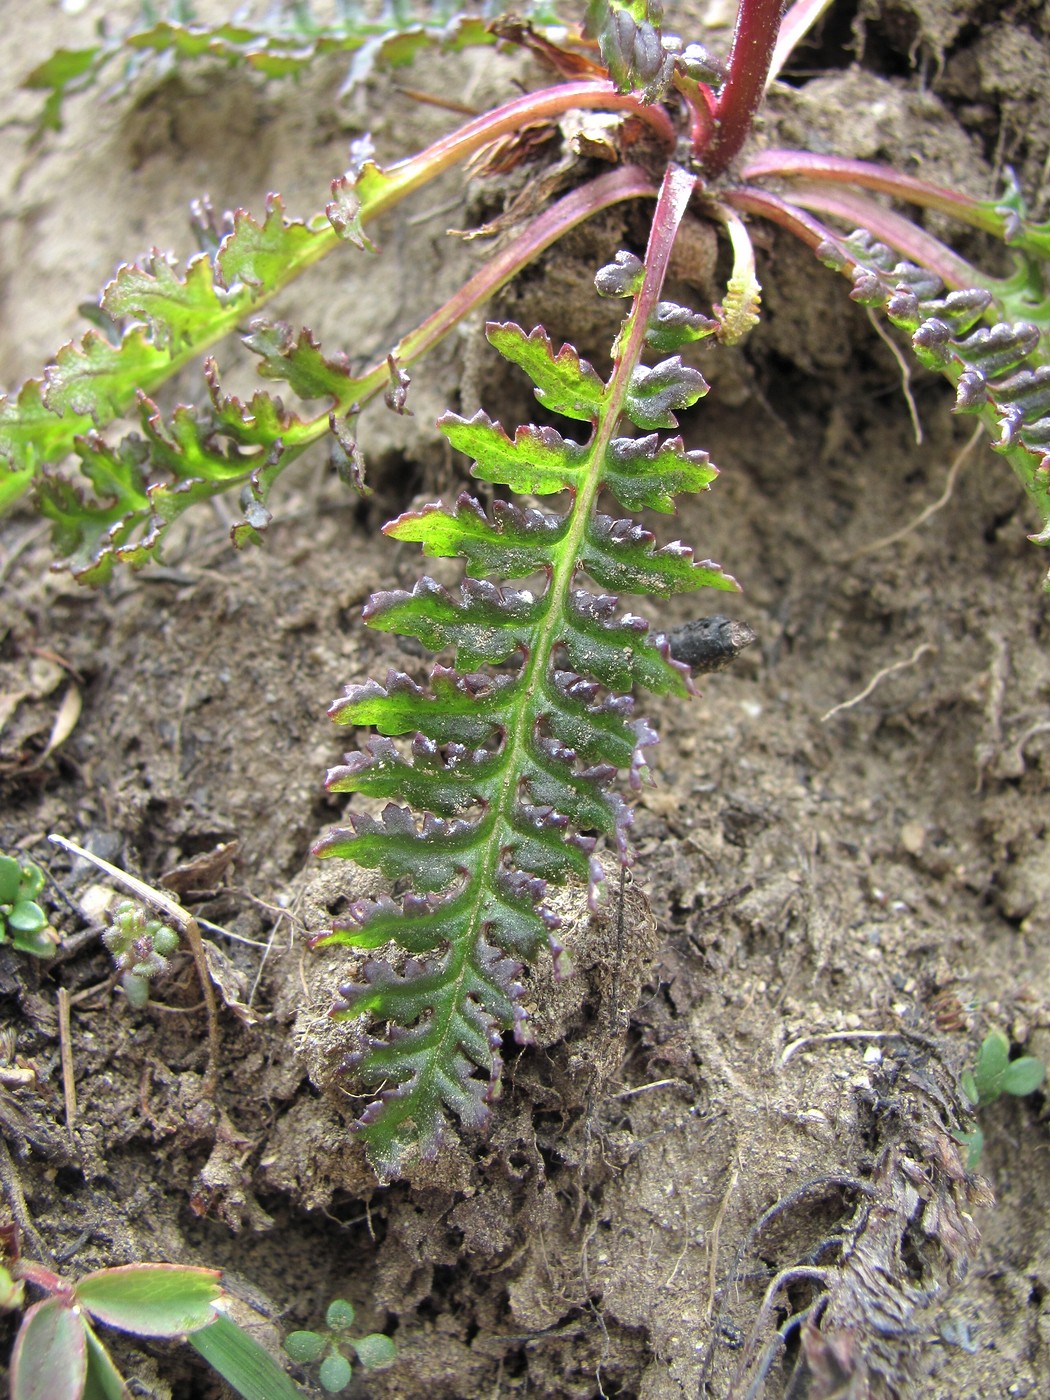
[[511, 773], [998, 368], [282, 44]]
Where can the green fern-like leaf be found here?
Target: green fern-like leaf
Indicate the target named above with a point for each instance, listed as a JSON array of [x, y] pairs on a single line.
[[283, 43], [1000, 368], [512, 757], [125, 494]]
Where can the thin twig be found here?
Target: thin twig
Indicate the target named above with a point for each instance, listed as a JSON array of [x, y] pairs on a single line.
[[713, 1247], [644, 1088], [228, 933], [69, 1088], [779, 1207], [447, 104], [779, 1344], [919, 651], [796, 1045], [961, 458], [801, 1273], [187, 923], [905, 369], [268, 949], [87, 992]]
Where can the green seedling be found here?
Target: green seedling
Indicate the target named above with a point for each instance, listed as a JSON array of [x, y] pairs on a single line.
[[22, 921], [503, 770], [993, 1075], [58, 1355], [141, 948], [328, 1349]]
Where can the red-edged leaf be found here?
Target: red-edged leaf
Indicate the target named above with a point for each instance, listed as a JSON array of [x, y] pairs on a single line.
[[152, 1300], [49, 1361]]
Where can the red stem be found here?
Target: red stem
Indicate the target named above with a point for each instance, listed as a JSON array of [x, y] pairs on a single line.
[[42, 1277], [898, 232], [754, 39], [837, 170], [625, 182], [407, 175], [751, 200]]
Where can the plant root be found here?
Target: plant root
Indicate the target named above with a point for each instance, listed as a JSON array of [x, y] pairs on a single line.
[[961, 458], [877, 679]]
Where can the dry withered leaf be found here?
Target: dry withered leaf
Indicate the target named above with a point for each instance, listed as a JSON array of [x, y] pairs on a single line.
[[231, 982], [199, 877], [574, 64]]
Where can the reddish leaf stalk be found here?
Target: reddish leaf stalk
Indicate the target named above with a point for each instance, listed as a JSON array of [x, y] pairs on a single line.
[[626, 182], [868, 175], [810, 231], [41, 1277], [407, 175], [675, 192], [754, 40], [898, 232]]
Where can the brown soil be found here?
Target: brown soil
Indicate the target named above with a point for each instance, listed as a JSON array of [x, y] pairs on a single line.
[[827, 913]]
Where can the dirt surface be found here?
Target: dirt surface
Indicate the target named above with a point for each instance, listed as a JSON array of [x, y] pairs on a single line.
[[827, 911]]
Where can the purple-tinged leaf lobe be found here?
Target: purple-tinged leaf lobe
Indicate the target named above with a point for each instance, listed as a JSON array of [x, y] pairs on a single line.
[[175, 308], [515, 542], [298, 360], [565, 383], [538, 462], [621, 555], [344, 213], [656, 393], [620, 278], [673, 326]]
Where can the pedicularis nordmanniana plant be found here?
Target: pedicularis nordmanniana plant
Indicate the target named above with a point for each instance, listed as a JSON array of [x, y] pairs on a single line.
[[508, 772]]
